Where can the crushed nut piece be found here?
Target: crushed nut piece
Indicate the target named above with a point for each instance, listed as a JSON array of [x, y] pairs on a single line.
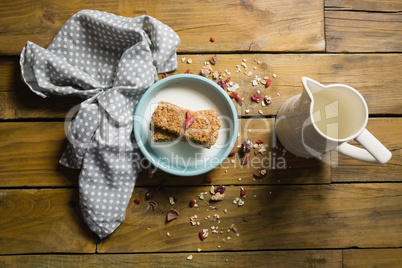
[[149, 194], [190, 257], [212, 190], [172, 215], [218, 197], [171, 200], [233, 88], [213, 60], [260, 172], [245, 160], [206, 70], [153, 204], [189, 61]]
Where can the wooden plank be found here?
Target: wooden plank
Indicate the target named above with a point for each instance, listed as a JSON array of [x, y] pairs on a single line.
[[389, 132], [363, 26], [372, 258], [366, 5], [315, 258], [29, 154], [265, 25], [272, 217], [38, 21], [376, 76], [38, 221], [45, 141]]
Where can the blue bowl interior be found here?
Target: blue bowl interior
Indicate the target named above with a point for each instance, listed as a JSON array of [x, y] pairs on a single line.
[[195, 93]]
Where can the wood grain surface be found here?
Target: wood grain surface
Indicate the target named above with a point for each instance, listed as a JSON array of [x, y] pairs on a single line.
[[309, 217], [307, 258], [372, 258], [273, 217], [375, 76], [363, 26], [46, 220], [266, 25], [310, 214]]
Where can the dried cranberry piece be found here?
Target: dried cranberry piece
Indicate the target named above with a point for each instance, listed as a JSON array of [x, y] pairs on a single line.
[[222, 84], [268, 99], [242, 191], [149, 194], [256, 97], [268, 83], [221, 189], [245, 160], [208, 180], [247, 145], [232, 153]]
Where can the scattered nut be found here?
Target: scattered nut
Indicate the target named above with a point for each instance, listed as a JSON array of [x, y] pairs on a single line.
[[217, 197], [149, 194], [213, 60], [153, 204], [260, 172], [206, 70], [172, 215]]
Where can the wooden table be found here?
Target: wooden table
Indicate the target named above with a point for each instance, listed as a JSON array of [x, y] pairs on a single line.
[[309, 214]]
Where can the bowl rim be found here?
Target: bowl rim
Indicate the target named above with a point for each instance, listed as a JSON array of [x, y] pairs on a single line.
[[141, 145]]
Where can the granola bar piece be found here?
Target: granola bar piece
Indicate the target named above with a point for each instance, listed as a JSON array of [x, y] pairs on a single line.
[[168, 123]]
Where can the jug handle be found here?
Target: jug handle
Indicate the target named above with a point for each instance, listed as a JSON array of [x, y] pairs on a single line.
[[375, 152]]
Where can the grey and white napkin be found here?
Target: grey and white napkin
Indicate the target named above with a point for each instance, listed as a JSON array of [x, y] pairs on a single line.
[[110, 61]]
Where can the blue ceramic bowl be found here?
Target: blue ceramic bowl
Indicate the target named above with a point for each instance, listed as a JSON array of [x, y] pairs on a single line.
[[192, 92]]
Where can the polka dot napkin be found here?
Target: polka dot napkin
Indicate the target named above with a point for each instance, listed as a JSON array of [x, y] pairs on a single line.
[[109, 61]]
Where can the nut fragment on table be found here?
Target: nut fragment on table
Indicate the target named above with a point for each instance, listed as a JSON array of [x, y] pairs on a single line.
[[260, 172], [172, 215]]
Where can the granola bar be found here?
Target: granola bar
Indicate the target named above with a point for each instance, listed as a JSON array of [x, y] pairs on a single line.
[[168, 120]]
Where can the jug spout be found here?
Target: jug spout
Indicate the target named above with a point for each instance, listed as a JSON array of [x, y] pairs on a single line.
[[311, 87]]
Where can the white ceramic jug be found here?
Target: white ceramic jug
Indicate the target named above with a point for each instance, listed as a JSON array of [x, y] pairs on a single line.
[[325, 118]]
